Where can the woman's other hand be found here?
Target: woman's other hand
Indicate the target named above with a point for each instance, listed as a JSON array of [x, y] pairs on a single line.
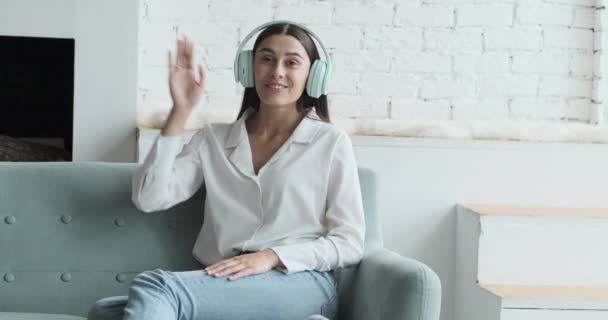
[[245, 265]]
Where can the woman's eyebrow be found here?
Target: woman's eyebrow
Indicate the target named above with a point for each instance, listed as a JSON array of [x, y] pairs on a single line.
[[287, 54]]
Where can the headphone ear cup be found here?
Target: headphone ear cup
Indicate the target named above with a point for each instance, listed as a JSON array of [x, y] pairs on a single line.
[[315, 85], [245, 69], [326, 78]]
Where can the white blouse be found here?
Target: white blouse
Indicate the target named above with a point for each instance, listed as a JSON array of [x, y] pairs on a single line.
[[305, 202]]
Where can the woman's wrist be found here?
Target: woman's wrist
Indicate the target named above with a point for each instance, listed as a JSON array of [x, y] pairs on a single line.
[[277, 261], [176, 123]]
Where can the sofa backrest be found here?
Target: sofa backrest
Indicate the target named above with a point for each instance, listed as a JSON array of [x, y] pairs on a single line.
[[70, 235]]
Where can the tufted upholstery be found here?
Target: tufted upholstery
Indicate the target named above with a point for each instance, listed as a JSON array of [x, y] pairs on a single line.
[[69, 235]]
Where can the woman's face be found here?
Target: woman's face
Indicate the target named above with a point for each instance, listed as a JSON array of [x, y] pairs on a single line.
[[281, 68]]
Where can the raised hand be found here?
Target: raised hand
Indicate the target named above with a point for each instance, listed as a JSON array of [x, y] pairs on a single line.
[[186, 91]]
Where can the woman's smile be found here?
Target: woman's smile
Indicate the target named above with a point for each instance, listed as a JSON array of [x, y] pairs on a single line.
[[276, 87]]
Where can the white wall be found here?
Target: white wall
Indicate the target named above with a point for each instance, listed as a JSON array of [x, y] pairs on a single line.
[[105, 72], [417, 59], [106, 55]]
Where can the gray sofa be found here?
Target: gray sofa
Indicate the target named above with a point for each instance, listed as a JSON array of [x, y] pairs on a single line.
[[69, 235]]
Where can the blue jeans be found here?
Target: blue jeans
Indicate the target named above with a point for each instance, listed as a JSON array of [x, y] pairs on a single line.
[[194, 295]]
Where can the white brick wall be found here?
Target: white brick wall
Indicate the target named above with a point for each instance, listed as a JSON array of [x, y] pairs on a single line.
[[482, 15], [404, 59]]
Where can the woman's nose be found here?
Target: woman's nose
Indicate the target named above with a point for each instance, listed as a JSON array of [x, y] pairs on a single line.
[[278, 71]]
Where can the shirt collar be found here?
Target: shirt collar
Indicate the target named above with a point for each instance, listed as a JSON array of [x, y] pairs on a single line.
[[304, 132]]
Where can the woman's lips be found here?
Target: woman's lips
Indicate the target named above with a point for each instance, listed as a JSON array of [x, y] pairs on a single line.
[[275, 88], [276, 85]]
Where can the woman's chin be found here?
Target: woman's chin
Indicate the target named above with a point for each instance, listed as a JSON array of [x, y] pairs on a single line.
[[273, 101]]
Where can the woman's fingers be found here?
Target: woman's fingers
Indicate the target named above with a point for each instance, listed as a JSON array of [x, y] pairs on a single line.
[[243, 273], [201, 79], [220, 264], [184, 61], [184, 55], [189, 55], [214, 266], [241, 266], [181, 61], [172, 65], [230, 270]]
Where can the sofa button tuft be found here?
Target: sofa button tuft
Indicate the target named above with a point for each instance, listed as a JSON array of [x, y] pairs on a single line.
[[119, 222], [121, 277], [9, 277], [66, 219], [66, 277], [10, 220]]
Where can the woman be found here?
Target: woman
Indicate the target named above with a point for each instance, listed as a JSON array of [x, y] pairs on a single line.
[[283, 206]]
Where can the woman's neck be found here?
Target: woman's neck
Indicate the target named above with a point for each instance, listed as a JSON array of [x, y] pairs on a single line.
[[273, 121]]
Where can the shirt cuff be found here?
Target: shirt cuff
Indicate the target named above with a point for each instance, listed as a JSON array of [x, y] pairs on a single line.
[[168, 147], [163, 155], [291, 264]]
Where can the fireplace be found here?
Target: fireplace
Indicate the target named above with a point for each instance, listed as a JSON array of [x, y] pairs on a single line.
[[37, 98]]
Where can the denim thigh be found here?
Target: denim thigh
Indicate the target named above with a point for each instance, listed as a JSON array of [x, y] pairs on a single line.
[[194, 295]]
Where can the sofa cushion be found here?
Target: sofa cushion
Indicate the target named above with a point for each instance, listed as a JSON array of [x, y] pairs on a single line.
[[36, 316]]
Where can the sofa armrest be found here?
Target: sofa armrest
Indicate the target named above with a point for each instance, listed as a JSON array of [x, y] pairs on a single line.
[[389, 286]]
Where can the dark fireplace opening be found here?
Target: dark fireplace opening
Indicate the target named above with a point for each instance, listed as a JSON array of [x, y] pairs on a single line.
[[37, 98]]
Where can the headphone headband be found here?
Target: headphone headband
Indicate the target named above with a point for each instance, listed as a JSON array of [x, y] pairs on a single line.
[[260, 27]]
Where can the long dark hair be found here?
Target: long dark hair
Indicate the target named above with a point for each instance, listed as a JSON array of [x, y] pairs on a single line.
[[305, 102]]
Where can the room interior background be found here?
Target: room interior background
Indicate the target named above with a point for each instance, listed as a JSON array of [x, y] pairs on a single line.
[[429, 89]]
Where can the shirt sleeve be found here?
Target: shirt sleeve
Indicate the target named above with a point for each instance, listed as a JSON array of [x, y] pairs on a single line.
[[170, 174], [343, 244]]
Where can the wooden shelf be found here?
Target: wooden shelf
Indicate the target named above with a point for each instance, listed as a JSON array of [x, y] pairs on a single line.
[[547, 292], [502, 210]]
